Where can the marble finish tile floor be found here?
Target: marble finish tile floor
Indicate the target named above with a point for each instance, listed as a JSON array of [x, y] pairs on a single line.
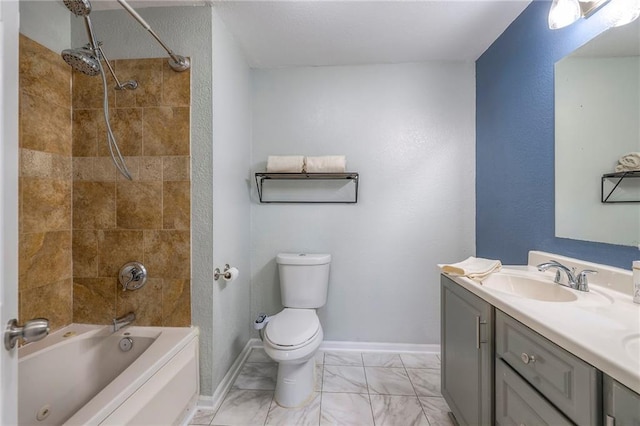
[[352, 388]]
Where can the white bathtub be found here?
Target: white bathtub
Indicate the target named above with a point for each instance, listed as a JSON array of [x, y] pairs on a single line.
[[80, 376]]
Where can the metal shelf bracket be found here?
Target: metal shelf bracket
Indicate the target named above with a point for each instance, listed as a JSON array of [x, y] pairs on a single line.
[[262, 177]]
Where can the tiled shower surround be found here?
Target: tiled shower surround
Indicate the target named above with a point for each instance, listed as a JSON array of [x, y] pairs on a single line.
[[80, 219]]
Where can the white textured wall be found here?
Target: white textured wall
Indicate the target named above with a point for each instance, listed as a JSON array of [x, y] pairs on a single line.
[[231, 203], [409, 131], [188, 31], [47, 22], [597, 122]]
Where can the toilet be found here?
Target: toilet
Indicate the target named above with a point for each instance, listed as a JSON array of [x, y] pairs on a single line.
[[292, 337]]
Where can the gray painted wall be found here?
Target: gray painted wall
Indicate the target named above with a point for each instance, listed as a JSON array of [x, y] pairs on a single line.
[[47, 22], [231, 207], [408, 129]]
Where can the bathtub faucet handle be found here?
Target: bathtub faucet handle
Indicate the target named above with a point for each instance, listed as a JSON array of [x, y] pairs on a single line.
[[32, 331]]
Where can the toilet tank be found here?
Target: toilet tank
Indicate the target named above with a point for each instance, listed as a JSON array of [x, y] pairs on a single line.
[[304, 279]]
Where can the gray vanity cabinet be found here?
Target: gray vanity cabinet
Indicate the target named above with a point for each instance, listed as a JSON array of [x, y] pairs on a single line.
[[467, 354], [621, 404]]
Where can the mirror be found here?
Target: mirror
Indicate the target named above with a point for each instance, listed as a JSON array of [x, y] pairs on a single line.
[[597, 121]]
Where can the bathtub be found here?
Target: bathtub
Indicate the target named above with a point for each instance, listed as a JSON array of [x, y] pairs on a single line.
[[79, 375]]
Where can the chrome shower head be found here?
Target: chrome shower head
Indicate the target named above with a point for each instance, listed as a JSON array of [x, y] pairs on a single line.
[[78, 7], [82, 60]]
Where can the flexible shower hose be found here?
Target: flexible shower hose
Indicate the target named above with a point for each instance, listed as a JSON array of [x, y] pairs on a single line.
[[111, 140]]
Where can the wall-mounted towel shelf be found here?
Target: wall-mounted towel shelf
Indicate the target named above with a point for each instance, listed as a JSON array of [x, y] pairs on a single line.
[[301, 187], [616, 179]]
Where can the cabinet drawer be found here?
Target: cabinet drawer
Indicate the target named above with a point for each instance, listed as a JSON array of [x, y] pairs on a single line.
[[569, 383], [517, 403]]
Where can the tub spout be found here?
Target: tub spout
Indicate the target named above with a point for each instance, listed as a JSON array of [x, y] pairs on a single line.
[[122, 321]]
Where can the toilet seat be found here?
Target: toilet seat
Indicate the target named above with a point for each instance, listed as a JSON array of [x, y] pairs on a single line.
[[292, 328]]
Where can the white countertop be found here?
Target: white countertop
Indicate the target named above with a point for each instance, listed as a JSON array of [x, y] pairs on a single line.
[[602, 326]]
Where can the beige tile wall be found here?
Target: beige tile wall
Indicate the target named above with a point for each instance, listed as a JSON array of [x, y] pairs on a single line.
[[80, 221], [45, 271], [116, 221]]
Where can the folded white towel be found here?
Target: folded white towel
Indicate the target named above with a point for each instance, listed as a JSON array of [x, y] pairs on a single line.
[[285, 164], [472, 267], [629, 162], [326, 164], [621, 168]]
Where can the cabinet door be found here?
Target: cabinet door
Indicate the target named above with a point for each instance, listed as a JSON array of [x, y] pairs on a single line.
[[467, 355], [621, 404], [517, 403]]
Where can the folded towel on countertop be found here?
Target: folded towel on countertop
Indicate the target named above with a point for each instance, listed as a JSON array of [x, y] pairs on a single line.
[[285, 164], [472, 267], [326, 164]]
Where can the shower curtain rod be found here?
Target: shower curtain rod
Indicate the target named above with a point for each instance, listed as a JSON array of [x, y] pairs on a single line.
[[177, 62]]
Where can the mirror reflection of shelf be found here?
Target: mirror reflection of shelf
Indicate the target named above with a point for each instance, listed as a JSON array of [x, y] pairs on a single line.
[[616, 180], [300, 188]]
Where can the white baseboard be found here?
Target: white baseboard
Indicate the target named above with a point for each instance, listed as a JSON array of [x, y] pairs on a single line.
[[214, 402], [338, 345]]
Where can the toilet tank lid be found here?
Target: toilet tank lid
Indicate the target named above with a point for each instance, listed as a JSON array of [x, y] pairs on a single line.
[[303, 259]]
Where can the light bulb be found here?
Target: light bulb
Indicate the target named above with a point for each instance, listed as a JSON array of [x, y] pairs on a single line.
[[563, 13], [622, 12]]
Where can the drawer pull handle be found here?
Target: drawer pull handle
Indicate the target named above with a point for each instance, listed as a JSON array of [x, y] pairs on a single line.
[[526, 358]]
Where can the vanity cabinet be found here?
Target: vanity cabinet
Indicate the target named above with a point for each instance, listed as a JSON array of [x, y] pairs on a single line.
[[467, 354], [566, 381], [621, 404]]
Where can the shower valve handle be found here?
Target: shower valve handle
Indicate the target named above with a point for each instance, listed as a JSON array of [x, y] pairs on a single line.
[[133, 276]]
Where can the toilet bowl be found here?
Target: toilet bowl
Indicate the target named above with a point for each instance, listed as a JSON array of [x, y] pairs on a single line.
[[292, 338]]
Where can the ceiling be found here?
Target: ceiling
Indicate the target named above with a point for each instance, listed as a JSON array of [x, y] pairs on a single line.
[[276, 34]]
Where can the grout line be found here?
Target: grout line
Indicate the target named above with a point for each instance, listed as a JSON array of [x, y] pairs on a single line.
[[373, 416], [273, 398], [321, 389], [424, 413]]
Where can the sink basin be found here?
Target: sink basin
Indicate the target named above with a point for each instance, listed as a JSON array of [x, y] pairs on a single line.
[[529, 286]]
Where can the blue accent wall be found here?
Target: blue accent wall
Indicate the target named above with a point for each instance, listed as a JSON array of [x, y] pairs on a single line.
[[515, 142]]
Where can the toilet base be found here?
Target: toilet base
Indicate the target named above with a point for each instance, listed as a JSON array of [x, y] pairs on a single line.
[[295, 383]]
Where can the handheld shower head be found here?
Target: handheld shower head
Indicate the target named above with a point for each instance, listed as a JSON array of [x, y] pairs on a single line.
[[82, 60], [78, 7]]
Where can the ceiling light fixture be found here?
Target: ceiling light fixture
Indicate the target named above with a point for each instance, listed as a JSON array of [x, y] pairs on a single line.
[[565, 12], [622, 12]]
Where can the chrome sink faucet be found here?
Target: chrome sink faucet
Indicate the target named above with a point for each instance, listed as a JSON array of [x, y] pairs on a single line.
[[577, 282]]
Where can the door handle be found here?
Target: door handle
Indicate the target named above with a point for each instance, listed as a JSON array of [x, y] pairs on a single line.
[[32, 331]]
